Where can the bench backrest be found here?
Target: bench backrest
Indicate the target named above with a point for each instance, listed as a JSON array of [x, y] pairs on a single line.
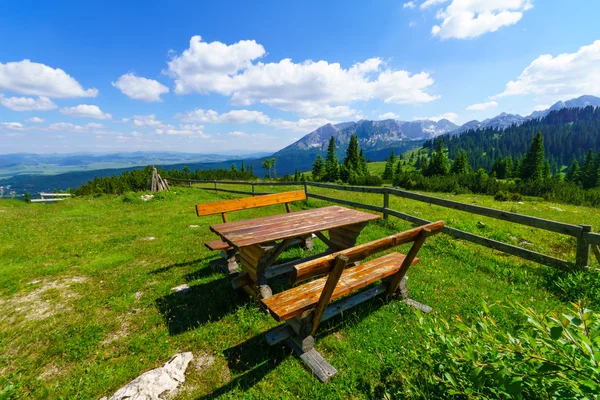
[[324, 265], [222, 207]]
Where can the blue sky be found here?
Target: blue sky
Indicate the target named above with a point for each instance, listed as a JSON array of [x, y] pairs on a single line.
[[231, 76]]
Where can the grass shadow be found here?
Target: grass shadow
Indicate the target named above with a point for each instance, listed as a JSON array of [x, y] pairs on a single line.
[[188, 309], [252, 360], [198, 262]]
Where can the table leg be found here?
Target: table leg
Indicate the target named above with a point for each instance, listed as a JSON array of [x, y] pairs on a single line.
[[344, 237]]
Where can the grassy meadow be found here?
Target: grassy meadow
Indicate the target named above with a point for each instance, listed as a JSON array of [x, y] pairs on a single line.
[[86, 299]]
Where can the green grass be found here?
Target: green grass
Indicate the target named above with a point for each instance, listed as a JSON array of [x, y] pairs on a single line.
[[86, 303]]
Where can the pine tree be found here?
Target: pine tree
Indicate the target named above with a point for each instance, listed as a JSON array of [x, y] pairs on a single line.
[[439, 160], [388, 173], [352, 160], [589, 172], [398, 168], [27, 198], [296, 176], [318, 169], [573, 172], [547, 171], [233, 168], [532, 167], [243, 167], [460, 165], [362, 164], [332, 168]]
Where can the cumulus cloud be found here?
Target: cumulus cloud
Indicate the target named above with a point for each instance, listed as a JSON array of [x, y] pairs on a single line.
[[231, 117], [482, 106], [250, 116], [93, 128], [181, 131], [409, 4], [310, 89], [467, 19], [564, 76], [36, 120], [389, 115], [452, 117], [11, 126], [144, 120], [430, 3], [160, 128], [35, 79], [139, 88], [42, 103], [85, 111]]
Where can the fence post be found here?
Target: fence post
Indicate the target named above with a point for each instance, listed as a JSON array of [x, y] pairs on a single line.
[[306, 190], [190, 183], [386, 202], [252, 189], [582, 257], [216, 191]]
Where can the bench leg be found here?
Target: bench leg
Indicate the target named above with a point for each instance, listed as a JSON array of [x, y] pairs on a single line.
[[402, 292], [308, 243], [313, 360], [231, 258]]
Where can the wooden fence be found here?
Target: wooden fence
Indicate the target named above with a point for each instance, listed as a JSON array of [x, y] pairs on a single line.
[[586, 240]]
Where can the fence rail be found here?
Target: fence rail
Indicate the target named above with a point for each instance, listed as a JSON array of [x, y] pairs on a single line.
[[585, 238]]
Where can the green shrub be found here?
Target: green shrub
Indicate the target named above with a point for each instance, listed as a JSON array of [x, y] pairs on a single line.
[[132, 197], [164, 195], [546, 357]]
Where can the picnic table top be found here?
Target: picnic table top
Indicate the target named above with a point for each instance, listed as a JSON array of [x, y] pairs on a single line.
[[290, 225]]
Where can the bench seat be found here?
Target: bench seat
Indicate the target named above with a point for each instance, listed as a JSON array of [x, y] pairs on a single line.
[[217, 244], [293, 302]]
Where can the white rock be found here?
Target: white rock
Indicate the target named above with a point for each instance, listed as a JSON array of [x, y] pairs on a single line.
[[149, 238], [153, 384], [194, 226], [146, 197], [181, 288], [556, 208]]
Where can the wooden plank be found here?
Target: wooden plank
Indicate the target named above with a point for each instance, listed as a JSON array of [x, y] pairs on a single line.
[[215, 245], [592, 238], [345, 304], [582, 253], [324, 264], [45, 200], [407, 262], [286, 268], [56, 194], [279, 334], [332, 279], [295, 301], [249, 202], [317, 364], [535, 222], [596, 252], [243, 279], [284, 226]]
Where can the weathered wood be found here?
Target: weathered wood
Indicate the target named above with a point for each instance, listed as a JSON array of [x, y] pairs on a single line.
[[386, 202], [559, 227], [216, 245], [332, 280], [295, 301], [592, 237], [279, 334], [314, 361], [286, 268], [292, 225], [287, 207], [46, 200], [419, 306], [224, 217], [582, 254], [324, 264], [243, 279], [408, 260], [44, 194], [345, 304], [596, 252], [247, 203]]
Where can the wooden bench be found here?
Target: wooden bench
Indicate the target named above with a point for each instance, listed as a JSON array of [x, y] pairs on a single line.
[[305, 306], [225, 206]]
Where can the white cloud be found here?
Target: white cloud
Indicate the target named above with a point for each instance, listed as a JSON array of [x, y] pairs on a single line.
[[467, 19], [136, 134], [230, 117], [171, 130], [482, 106], [42, 103], [564, 76], [389, 115], [92, 127], [144, 120], [139, 88], [11, 126], [36, 120], [429, 3], [541, 107], [410, 4], [311, 89], [37, 79], [452, 117], [85, 111]]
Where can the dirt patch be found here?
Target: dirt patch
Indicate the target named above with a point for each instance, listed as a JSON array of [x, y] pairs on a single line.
[[49, 298], [203, 361], [122, 332], [50, 371]]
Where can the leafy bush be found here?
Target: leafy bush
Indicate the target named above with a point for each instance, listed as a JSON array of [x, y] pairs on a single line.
[[365, 180], [506, 196], [547, 357]]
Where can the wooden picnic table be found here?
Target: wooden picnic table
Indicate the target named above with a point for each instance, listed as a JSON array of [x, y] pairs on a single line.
[[260, 241]]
